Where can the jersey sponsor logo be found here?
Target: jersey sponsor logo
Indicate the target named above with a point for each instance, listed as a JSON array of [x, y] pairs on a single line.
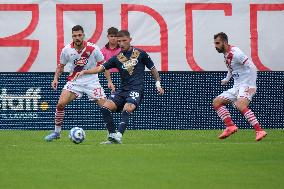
[[82, 61], [129, 64]]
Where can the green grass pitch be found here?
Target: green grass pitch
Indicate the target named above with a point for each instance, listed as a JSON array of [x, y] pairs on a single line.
[[146, 160]]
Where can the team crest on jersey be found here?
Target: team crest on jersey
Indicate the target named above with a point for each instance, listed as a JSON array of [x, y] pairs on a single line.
[[81, 61], [129, 64]]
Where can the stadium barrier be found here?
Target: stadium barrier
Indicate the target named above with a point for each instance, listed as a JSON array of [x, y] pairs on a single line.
[[28, 102]]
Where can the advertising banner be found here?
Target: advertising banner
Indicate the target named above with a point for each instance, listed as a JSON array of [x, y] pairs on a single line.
[[178, 34], [27, 101]]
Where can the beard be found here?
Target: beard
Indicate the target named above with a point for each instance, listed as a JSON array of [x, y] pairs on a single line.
[[78, 43], [220, 50]]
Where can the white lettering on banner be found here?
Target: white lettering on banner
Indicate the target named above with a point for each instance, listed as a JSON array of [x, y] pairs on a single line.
[[20, 116], [28, 101]]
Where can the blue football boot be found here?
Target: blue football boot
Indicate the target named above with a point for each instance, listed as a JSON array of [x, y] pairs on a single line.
[[52, 136]]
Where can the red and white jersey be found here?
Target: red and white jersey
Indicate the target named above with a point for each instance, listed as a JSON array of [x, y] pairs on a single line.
[[89, 57], [240, 67]]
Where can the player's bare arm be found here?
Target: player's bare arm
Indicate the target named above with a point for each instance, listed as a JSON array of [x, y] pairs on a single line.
[[95, 70], [157, 78], [226, 80], [59, 70], [109, 81]]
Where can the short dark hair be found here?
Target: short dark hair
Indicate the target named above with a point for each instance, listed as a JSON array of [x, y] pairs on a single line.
[[77, 28], [222, 35], [123, 33], [112, 31]]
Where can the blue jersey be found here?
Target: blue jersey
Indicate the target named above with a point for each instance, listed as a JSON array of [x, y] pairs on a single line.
[[131, 65]]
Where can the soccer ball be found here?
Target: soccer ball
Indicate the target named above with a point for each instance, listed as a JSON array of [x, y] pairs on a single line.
[[77, 135]]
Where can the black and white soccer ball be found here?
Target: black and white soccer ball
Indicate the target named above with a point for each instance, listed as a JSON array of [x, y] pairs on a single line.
[[77, 135]]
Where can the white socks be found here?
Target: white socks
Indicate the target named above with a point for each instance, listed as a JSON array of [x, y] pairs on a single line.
[[57, 129]]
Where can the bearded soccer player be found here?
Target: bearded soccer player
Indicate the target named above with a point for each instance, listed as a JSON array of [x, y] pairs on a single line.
[[244, 73], [79, 55], [131, 64]]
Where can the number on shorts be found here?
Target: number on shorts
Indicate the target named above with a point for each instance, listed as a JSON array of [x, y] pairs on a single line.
[[134, 95], [98, 92]]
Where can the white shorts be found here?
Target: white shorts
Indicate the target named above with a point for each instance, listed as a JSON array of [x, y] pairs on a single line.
[[238, 92], [94, 91]]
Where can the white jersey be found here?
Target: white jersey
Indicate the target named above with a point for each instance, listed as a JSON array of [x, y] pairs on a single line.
[[241, 68], [89, 57]]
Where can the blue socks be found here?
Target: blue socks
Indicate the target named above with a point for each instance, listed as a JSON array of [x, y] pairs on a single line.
[[124, 121], [108, 119]]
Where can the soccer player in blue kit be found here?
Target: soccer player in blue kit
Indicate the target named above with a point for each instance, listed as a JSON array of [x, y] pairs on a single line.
[[131, 64]]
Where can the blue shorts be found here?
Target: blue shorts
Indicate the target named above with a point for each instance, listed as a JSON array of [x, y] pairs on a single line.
[[120, 97]]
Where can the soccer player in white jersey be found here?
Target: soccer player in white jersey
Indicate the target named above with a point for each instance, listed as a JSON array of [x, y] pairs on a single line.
[[244, 73], [79, 55]]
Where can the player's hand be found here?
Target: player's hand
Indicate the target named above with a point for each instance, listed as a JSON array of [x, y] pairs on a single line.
[[111, 86], [160, 90], [54, 84], [224, 82], [78, 74]]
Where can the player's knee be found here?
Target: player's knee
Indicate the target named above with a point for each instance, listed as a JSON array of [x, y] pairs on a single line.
[[109, 104], [100, 102], [217, 102], [129, 108], [60, 107]]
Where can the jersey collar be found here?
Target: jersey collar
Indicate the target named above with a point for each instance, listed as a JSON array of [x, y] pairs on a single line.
[[228, 50]]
